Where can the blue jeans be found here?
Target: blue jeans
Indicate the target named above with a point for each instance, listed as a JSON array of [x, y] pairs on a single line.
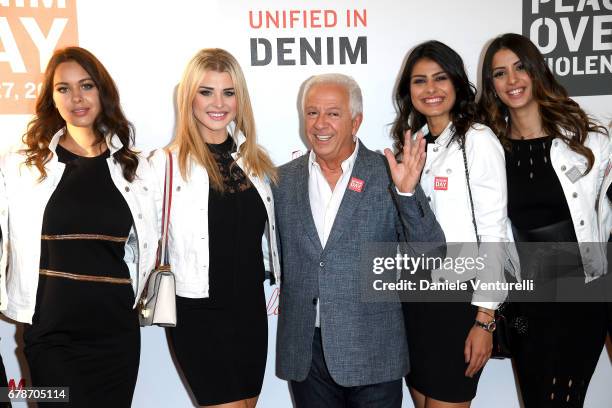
[[319, 390]]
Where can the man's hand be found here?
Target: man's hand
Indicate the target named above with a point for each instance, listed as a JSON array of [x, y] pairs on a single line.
[[406, 174]]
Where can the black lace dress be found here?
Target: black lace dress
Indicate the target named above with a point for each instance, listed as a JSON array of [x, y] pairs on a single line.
[[556, 358], [85, 334], [221, 341]]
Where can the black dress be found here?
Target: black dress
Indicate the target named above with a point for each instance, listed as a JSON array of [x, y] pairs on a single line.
[[436, 333], [221, 342], [85, 334], [557, 356]]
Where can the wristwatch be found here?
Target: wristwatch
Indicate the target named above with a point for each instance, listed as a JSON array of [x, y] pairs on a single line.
[[490, 326]]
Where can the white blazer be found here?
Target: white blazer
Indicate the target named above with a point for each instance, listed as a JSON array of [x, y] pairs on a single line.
[[444, 182], [27, 199], [188, 229]]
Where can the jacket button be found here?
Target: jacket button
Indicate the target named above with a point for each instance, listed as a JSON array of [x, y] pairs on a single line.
[[441, 280], [435, 149], [321, 264], [449, 171], [178, 188], [145, 188], [272, 227], [269, 199], [427, 171], [563, 168], [145, 245], [140, 216], [127, 189], [428, 198], [575, 195], [581, 222], [314, 301]]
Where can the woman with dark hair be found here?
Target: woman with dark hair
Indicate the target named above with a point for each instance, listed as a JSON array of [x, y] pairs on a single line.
[[556, 158], [83, 234], [465, 183]]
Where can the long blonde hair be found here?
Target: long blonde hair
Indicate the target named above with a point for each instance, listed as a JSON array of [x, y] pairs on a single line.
[[190, 145]]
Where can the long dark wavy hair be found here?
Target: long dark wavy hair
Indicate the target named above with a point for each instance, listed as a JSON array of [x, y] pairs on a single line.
[[561, 117], [463, 112], [48, 121]]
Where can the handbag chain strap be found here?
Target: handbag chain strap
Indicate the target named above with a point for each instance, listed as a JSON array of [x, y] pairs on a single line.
[[162, 251], [467, 178]]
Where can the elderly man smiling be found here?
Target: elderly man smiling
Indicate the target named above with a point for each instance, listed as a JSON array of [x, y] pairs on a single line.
[[335, 350]]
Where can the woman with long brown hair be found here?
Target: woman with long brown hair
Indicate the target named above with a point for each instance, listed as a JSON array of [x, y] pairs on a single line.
[[83, 233], [221, 204], [556, 158], [435, 98]]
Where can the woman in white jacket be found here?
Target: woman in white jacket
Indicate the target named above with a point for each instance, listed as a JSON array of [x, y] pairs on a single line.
[[82, 233], [221, 205], [556, 158], [464, 180]]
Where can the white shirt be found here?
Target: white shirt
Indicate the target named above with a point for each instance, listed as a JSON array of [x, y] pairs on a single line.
[[325, 202]]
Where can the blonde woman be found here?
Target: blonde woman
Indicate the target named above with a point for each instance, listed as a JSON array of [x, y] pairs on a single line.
[[221, 207]]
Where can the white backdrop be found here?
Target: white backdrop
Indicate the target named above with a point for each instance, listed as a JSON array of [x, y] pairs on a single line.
[[146, 44]]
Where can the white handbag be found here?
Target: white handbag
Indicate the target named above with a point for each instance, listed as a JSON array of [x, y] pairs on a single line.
[[157, 304]]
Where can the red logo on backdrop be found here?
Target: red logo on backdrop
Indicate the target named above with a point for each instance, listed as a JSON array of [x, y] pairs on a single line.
[[29, 33], [12, 386], [272, 306], [356, 184], [441, 183]]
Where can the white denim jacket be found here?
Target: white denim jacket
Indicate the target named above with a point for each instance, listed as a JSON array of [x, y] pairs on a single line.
[[27, 199], [586, 198], [444, 182], [604, 206], [188, 230]]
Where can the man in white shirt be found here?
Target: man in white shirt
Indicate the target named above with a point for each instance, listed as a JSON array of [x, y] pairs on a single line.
[[335, 350]]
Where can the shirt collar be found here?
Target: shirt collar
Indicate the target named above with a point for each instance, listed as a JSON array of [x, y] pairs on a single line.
[[347, 164], [237, 135], [112, 141], [444, 136]]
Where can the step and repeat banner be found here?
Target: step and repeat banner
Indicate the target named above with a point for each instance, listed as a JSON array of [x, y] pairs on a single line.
[[146, 44]]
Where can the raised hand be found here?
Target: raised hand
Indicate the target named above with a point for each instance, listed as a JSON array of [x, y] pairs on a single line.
[[406, 174]]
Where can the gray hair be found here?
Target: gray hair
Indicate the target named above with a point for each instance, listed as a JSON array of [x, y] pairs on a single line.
[[355, 98]]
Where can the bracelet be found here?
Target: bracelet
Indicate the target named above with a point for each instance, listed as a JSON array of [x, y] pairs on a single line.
[[487, 313]]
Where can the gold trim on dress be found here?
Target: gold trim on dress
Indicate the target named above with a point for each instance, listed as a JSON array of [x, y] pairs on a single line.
[[83, 236], [88, 278]]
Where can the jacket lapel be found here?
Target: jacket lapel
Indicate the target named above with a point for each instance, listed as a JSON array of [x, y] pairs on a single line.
[[344, 219], [303, 204]]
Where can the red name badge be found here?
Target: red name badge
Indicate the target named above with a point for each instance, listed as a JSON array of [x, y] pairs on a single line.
[[441, 183], [356, 184]]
